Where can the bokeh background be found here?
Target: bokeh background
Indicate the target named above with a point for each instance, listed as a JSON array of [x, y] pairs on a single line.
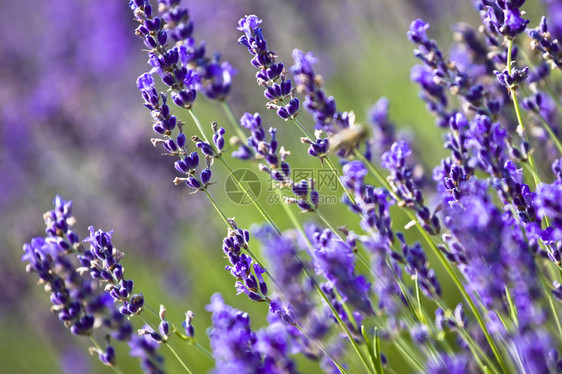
[[72, 123]]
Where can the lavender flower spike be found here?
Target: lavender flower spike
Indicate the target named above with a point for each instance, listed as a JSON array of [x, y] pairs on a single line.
[[278, 90], [102, 260], [232, 339]]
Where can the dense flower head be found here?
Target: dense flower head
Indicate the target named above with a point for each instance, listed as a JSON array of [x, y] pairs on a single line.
[[232, 340], [278, 90], [545, 43], [102, 260], [249, 275], [69, 292], [404, 184], [334, 260], [75, 298], [165, 123], [503, 18], [81, 303], [184, 68], [417, 266], [318, 103]]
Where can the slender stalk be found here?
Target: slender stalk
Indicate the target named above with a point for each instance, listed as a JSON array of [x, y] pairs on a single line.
[[228, 110], [250, 252], [179, 358], [198, 124], [518, 113], [410, 357], [203, 350], [550, 132], [231, 171]]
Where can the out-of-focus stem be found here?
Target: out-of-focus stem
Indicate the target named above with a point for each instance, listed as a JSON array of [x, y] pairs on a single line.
[[518, 115]]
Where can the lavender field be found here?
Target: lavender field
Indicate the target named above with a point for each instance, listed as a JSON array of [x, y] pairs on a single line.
[[313, 186]]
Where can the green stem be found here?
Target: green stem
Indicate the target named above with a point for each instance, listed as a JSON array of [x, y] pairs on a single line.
[[256, 204], [409, 356], [217, 208], [226, 220], [228, 110], [203, 350], [199, 126], [179, 358], [231, 171], [518, 113], [550, 132]]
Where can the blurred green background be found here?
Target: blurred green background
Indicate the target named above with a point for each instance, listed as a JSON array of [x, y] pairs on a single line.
[[94, 149]]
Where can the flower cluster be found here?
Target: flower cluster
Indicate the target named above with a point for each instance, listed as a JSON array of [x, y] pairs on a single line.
[[85, 304], [102, 261], [278, 90], [165, 124], [184, 68], [252, 284]]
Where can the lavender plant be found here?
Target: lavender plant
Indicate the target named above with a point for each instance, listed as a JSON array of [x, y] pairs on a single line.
[[470, 284]]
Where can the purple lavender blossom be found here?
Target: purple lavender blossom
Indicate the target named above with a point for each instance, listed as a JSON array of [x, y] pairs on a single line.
[[165, 123], [334, 260], [503, 17], [279, 170], [184, 67], [78, 301], [278, 90], [322, 107], [249, 275], [74, 298], [555, 18], [404, 185], [418, 267], [543, 42], [232, 340], [102, 260]]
